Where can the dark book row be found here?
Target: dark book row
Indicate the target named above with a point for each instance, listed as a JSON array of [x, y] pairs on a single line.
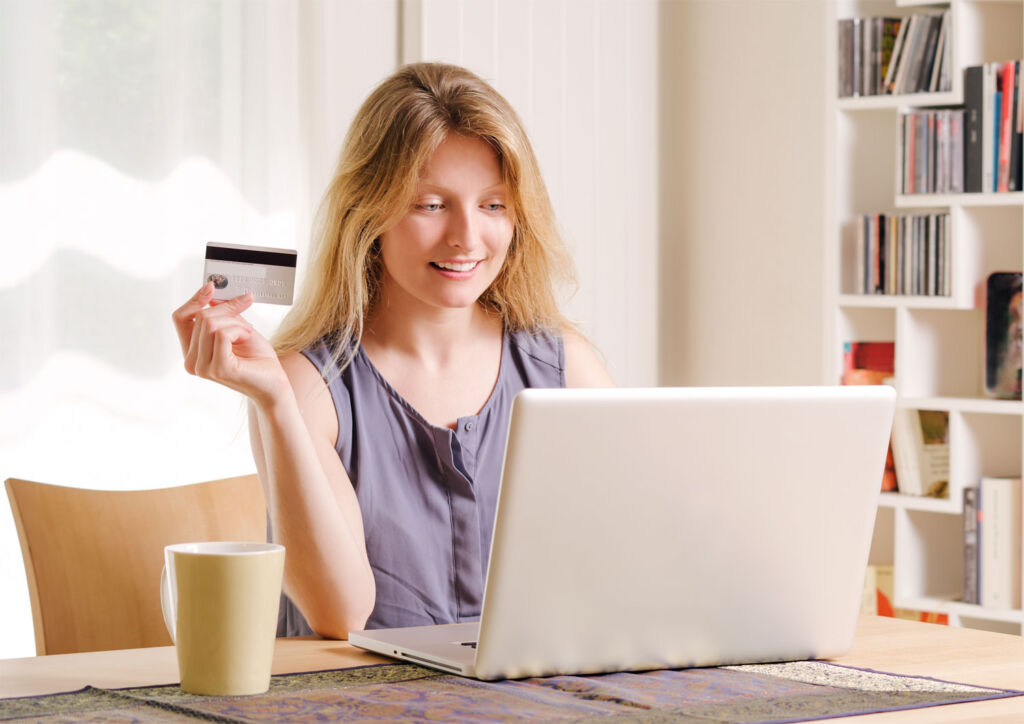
[[892, 55], [903, 254]]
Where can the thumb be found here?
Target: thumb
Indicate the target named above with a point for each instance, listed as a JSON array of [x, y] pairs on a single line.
[[237, 304]]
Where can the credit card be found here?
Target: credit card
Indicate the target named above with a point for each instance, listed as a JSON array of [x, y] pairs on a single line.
[[235, 269]]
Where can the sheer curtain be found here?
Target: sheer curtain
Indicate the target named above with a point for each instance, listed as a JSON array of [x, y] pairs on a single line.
[[131, 132]]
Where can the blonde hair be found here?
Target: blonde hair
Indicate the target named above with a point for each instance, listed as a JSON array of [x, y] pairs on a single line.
[[391, 138]]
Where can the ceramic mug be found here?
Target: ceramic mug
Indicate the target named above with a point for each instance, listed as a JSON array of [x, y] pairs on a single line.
[[220, 603]]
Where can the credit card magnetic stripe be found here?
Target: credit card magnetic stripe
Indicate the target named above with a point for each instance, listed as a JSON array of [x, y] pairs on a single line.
[[250, 255]]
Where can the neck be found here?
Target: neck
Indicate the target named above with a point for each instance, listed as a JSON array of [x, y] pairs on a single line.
[[432, 336]]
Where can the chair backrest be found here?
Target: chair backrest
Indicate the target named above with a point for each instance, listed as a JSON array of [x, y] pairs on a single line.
[[93, 557]]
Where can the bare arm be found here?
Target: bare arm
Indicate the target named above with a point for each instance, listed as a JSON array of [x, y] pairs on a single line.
[[312, 505], [582, 366]]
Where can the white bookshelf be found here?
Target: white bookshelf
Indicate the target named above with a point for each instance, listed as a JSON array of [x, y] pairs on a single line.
[[939, 341]]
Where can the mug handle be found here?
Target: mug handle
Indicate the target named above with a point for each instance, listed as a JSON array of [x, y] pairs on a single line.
[[168, 604]]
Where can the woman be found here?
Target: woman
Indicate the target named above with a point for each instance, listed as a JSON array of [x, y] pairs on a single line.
[[378, 417]]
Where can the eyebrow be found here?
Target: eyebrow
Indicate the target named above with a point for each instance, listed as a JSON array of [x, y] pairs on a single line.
[[427, 186]]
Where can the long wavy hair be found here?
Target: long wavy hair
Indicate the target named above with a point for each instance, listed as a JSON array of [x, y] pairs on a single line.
[[392, 137]]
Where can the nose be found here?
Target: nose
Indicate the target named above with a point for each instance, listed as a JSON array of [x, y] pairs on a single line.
[[462, 232]]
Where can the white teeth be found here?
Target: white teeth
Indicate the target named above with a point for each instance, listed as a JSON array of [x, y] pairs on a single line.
[[453, 266]]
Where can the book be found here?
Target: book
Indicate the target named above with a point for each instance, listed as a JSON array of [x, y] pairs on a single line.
[[1004, 311], [894, 61], [876, 356], [973, 102], [924, 75], [988, 93], [907, 79], [957, 124], [973, 124], [997, 115], [938, 62], [856, 53], [970, 497], [920, 445], [845, 58], [1015, 137], [889, 32], [1005, 124], [999, 534]]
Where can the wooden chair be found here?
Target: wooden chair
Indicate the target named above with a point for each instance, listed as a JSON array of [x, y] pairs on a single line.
[[93, 557]]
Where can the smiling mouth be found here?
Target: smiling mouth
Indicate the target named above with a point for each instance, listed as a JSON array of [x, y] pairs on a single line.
[[463, 266]]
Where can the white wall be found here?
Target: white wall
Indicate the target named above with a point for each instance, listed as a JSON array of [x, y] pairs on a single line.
[[742, 178]]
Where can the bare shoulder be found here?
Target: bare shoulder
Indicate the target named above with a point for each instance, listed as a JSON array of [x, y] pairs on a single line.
[[312, 395], [583, 367]]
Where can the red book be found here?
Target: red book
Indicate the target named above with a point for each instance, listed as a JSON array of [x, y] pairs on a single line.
[[1006, 125]]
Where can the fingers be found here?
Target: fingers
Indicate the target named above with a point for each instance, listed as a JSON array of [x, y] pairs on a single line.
[[210, 321], [211, 355], [184, 316]]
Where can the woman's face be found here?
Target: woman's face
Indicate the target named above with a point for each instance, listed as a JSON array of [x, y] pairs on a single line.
[[452, 242]]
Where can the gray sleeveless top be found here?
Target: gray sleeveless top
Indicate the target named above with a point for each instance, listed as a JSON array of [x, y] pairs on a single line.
[[427, 494]]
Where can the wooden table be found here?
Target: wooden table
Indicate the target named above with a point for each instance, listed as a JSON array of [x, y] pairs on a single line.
[[903, 647]]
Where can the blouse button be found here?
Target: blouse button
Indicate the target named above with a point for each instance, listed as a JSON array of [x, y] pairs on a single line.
[[470, 426]]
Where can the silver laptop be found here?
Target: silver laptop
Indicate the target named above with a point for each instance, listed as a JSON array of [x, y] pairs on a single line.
[[671, 527]]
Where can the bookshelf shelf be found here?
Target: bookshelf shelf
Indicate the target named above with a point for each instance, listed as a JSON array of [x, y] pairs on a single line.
[[930, 201], [896, 301], [939, 341], [979, 405], [916, 100], [914, 502], [961, 609]]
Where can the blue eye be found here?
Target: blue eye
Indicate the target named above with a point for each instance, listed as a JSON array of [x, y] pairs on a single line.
[[429, 207], [494, 207]]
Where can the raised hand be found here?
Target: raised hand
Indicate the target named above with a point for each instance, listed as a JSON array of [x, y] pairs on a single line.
[[219, 344]]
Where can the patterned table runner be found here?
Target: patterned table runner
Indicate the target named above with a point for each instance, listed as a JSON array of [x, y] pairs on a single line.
[[793, 692]]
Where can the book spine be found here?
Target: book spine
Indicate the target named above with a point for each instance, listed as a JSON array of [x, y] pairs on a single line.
[[1014, 183], [923, 77], [973, 102], [866, 53], [970, 497], [1000, 536], [942, 152], [894, 59], [945, 75], [845, 80], [933, 263], [911, 54], [997, 112], [957, 121], [987, 140], [855, 55], [921, 153], [940, 53], [1005, 125], [883, 254]]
